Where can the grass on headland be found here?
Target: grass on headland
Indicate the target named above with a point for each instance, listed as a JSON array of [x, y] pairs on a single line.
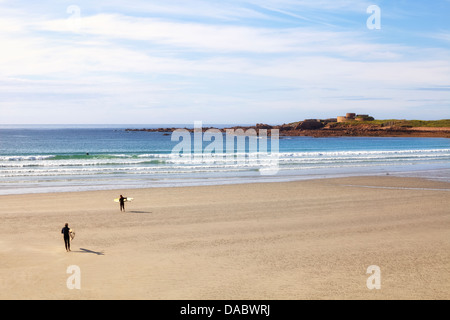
[[400, 123]]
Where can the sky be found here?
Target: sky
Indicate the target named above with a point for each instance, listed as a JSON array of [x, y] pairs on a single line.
[[222, 62]]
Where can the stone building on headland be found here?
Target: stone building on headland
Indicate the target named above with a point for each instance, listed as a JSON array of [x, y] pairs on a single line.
[[354, 117], [350, 116], [313, 124]]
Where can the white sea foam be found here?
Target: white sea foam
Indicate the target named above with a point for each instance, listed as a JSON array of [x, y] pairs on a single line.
[[26, 158], [172, 164]]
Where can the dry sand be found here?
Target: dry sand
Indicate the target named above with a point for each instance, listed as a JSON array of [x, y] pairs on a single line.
[[297, 240]]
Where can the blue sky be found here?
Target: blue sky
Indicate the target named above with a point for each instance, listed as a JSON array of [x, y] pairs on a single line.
[[271, 61]]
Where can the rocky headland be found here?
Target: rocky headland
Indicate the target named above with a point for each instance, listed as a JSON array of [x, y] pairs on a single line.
[[351, 125]]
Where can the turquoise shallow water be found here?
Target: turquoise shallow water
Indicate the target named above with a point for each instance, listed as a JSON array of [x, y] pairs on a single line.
[[76, 158]]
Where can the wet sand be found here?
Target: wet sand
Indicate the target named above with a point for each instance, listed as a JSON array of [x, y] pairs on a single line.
[[296, 240]]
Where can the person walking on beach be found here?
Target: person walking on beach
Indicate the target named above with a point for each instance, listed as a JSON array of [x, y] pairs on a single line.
[[66, 232], [122, 203]]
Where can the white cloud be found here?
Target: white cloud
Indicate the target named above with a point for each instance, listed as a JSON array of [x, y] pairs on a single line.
[[193, 36], [445, 36], [223, 39], [151, 65]]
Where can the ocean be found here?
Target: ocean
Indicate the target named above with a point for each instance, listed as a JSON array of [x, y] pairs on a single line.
[[40, 159]]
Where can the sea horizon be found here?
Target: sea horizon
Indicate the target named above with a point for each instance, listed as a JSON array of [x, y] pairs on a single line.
[[118, 126]]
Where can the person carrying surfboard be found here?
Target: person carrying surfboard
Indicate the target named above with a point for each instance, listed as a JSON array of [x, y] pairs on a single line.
[[66, 232], [121, 200], [122, 203]]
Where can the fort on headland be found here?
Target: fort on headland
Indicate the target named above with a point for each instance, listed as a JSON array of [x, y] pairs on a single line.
[[351, 124]]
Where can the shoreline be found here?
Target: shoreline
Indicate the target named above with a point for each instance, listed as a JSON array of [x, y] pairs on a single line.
[[434, 174], [296, 240], [249, 184]]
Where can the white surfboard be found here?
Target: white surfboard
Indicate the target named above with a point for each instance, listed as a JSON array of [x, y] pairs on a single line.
[[72, 234], [126, 199]]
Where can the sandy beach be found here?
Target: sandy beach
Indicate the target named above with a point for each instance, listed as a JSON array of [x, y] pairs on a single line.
[[297, 240]]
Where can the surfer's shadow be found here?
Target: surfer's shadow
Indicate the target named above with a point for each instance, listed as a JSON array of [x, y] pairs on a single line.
[[99, 253]]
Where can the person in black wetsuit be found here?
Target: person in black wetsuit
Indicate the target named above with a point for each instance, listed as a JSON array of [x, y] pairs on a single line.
[[66, 232], [122, 203]]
